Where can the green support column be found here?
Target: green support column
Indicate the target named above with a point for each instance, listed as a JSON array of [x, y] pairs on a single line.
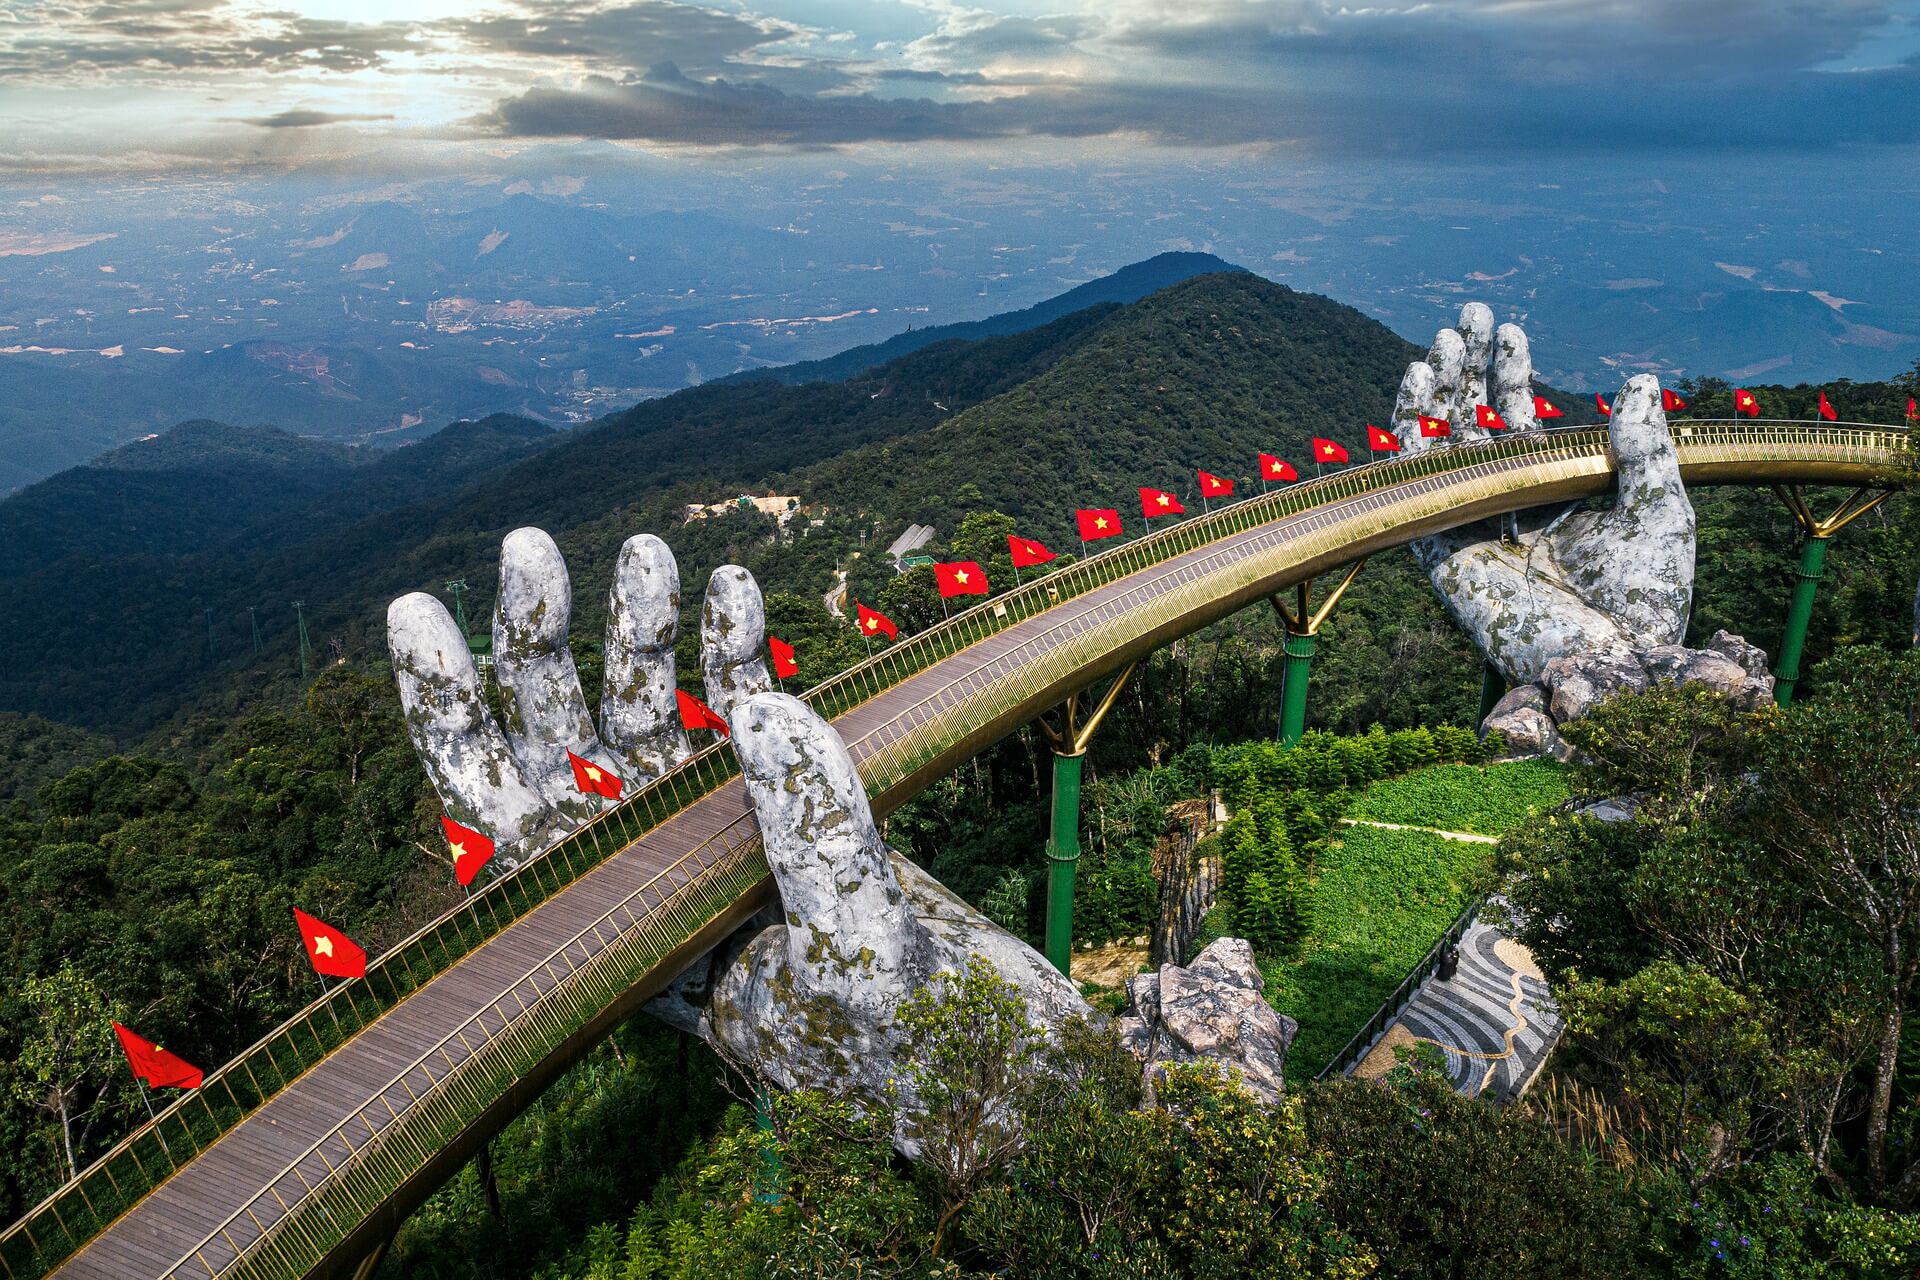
[[1493, 687], [1302, 624], [771, 1172], [1063, 854], [1813, 565], [1294, 675], [1069, 744]]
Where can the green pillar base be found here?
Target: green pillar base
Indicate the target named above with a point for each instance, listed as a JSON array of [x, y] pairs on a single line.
[[1063, 855], [1813, 566], [1299, 650], [1493, 687], [772, 1174]]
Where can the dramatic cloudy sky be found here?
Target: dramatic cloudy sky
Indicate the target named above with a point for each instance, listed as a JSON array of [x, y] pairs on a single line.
[[1413, 77]]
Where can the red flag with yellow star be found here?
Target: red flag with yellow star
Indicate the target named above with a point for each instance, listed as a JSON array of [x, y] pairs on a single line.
[[1544, 409], [160, 1069], [1213, 486], [1671, 402], [1272, 468], [1600, 403], [471, 850], [695, 714], [1158, 502], [1434, 428], [597, 780], [873, 623], [784, 664], [1102, 522], [1745, 402], [1325, 450], [332, 952], [1826, 409], [1485, 418], [1382, 441], [960, 578], [1025, 552]]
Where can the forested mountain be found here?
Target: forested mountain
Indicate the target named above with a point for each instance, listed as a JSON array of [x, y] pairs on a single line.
[[1129, 284]]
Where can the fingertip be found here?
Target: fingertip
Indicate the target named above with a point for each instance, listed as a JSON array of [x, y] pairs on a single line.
[[418, 624]]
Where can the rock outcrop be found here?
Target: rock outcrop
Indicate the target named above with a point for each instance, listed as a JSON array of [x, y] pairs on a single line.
[[1210, 1010]]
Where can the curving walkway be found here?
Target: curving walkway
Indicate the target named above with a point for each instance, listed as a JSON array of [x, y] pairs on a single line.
[[1494, 1020]]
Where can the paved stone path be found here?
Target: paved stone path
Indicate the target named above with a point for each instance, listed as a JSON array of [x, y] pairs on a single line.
[[1494, 1019]]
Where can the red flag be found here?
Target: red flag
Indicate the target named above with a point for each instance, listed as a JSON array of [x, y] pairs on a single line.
[[1743, 400], [1328, 450], [1485, 417], [594, 780], [783, 662], [960, 578], [874, 624], [1213, 486], [1158, 502], [331, 951], [1600, 403], [1434, 428], [1544, 409], [1272, 468], [1913, 409], [1097, 524], [1671, 402], [1025, 552], [471, 850], [1826, 409], [694, 714], [160, 1069], [1382, 441]]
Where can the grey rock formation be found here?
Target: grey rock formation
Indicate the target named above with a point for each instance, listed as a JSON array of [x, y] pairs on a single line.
[[1209, 1010], [1521, 717], [1576, 682], [732, 625], [804, 995]]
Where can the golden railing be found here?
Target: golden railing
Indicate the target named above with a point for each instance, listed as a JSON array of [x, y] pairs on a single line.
[[1317, 522]]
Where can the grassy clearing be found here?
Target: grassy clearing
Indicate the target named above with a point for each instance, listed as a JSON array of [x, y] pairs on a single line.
[[1488, 800]]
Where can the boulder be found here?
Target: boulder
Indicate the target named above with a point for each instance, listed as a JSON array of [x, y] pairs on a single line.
[[1751, 657], [1577, 681], [1528, 731], [1210, 1010]]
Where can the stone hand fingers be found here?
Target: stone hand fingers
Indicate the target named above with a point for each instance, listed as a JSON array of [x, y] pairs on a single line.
[[639, 716], [850, 928], [733, 627], [546, 715], [472, 767]]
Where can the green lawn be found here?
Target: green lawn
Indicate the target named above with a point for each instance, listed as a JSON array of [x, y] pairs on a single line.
[[1489, 800], [1380, 899]]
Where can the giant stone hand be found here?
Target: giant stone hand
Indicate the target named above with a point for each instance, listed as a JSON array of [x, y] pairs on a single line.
[[1582, 599], [805, 996]]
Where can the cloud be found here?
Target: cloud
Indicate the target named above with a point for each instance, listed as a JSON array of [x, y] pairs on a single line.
[[307, 119]]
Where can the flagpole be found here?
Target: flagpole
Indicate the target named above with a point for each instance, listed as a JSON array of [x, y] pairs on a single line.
[[1016, 576], [867, 642], [945, 616], [153, 1117]]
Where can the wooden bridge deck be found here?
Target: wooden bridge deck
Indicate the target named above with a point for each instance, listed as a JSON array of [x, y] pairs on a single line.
[[202, 1220]]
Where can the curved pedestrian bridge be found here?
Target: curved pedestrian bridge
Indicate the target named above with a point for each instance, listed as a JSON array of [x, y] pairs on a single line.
[[303, 1155]]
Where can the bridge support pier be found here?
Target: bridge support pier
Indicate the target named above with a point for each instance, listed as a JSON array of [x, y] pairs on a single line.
[[1069, 743], [1815, 533], [1303, 629], [1493, 687]]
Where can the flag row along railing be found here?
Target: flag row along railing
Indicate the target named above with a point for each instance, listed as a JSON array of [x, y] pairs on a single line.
[[210, 1105]]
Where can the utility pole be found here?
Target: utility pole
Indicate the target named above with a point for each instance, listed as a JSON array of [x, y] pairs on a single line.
[[254, 622], [300, 612], [457, 586]]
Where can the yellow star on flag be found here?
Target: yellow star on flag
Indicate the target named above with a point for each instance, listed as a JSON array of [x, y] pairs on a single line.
[[873, 624], [1100, 522], [960, 575], [1274, 467], [323, 945], [1327, 449], [459, 850], [1162, 499], [593, 774]]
